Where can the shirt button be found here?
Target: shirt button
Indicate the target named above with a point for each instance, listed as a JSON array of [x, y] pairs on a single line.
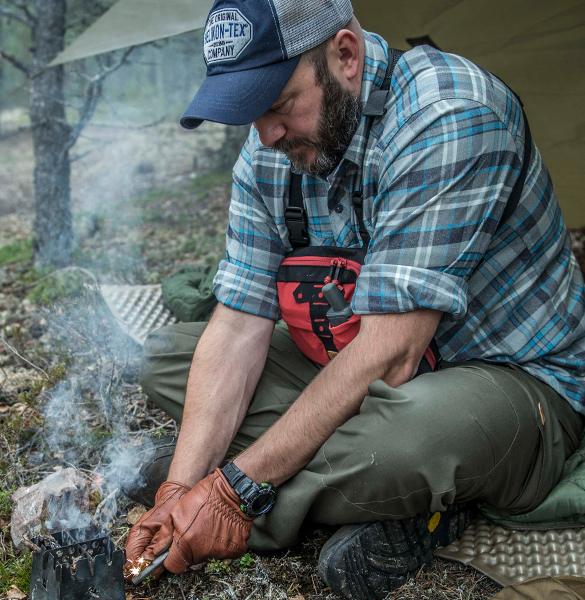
[[339, 208]]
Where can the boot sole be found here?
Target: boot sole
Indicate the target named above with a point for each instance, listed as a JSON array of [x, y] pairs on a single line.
[[365, 562]]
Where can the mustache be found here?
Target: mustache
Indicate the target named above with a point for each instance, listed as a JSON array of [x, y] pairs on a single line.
[[289, 145]]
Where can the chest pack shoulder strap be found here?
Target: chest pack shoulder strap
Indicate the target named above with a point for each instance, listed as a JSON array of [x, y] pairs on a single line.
[[295, 215], [518, 188]]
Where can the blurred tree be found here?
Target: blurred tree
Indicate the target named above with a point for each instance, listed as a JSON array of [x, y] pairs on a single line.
[[48, 22]]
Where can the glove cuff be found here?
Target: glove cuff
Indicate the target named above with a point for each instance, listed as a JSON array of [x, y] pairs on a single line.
[[228, 494], [169, 489]]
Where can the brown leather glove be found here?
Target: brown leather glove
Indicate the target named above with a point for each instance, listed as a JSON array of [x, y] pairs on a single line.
[[206, 523], [141, 534]]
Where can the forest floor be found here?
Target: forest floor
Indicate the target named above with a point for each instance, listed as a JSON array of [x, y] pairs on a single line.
[[55, 335]]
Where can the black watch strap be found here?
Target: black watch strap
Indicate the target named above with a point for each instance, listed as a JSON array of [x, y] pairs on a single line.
[[237, 478], [256, 499]]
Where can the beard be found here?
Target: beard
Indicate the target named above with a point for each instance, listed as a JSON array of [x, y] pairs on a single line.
[[338, 120]]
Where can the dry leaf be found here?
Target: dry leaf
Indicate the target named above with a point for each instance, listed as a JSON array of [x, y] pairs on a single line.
[[298, 597], [4, 409], [134, 514], [15, 594]]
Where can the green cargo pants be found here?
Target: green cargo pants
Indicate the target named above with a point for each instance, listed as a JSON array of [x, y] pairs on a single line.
[[470, 431]]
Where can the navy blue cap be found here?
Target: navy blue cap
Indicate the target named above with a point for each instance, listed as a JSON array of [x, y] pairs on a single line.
[[251, 49]]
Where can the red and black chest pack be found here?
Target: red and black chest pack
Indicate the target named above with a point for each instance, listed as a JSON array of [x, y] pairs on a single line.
[[316, 283]]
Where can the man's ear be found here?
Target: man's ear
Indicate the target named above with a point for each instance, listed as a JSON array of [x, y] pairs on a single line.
[[344, 58]]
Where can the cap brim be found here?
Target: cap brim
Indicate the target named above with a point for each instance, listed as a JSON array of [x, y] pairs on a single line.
[[240, 97]]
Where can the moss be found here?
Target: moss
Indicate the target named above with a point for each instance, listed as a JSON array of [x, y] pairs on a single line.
[[15, 570], [58, 285], [19, 251]]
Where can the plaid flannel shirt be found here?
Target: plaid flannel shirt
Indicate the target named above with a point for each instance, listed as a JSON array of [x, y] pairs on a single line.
[[435, 172]]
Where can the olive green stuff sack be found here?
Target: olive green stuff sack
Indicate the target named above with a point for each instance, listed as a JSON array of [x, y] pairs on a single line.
[[188, 294]]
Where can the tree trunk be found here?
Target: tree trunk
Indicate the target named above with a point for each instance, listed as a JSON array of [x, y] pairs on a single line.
[[53, 223]]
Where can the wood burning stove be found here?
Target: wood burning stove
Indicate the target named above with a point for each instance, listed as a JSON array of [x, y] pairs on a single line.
[[79, 564]]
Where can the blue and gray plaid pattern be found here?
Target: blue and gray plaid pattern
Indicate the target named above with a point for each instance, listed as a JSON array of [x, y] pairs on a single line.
[[436, 172]]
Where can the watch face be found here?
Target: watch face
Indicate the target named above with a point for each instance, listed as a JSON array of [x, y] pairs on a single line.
[[262, 503]]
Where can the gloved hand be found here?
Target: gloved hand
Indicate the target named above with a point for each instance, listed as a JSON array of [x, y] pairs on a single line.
[[205, 523], [148, 525]]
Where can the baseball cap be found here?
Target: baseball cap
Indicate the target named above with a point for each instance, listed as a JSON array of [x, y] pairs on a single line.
[[251, 48]]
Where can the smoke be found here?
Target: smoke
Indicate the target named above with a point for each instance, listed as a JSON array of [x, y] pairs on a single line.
[[67, 430], [88, 423]]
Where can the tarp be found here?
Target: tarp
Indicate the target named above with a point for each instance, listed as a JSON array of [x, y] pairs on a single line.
[[134, 22], [536, 46]]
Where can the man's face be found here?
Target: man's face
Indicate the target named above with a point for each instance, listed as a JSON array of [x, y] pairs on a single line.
[[312, 121]]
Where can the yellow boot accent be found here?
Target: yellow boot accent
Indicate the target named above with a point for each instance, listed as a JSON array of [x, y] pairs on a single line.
[[434, 522]]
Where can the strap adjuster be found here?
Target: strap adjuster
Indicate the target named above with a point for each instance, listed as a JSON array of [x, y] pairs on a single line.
[[297, 224]]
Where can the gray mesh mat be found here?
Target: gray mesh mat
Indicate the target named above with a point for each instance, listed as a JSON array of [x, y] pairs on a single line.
[[511, 556], [137, 308]]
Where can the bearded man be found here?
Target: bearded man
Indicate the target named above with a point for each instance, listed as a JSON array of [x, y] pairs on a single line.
[[391, 208]]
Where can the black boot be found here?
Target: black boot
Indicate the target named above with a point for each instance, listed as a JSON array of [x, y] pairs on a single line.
[[154, 470], [366, 561]]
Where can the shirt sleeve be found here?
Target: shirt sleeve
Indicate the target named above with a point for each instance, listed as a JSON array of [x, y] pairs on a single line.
[[445, 177], [246, 276]]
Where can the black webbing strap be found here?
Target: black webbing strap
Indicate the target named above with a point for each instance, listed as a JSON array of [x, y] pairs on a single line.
[[516, 192], [295, 215], [375, 107]]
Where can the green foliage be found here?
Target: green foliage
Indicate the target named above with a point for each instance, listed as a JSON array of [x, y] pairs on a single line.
[[19, 251], [221, 567], [58, 285], [5, 504], [246, 561], [15, 570], [54, 375], [217, 567]]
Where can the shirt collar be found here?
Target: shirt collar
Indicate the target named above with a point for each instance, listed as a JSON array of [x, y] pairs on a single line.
[[375, 66]]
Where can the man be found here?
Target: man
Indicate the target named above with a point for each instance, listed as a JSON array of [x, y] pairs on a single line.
[[465, 246]]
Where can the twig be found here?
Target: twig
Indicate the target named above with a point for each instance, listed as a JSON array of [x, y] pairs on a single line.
[[89, 274], [28, 362], [30, 545], [126, 127], [15, 62], [24, 8], [92, 95], [25, 20]]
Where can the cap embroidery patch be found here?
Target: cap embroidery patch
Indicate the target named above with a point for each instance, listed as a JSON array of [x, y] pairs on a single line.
[[227, 34]]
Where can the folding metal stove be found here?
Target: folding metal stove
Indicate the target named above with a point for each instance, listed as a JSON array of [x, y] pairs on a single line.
[[79, 564]]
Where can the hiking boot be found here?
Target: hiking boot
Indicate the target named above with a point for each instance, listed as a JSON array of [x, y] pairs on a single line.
[[154, 470], [368, 560]]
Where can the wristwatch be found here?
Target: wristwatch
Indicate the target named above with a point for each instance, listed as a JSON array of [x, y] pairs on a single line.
[[256, 498]]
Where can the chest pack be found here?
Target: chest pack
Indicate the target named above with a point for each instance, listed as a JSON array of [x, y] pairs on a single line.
[[315, 284]]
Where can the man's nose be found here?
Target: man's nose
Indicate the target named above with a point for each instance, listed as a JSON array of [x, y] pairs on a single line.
[[269, 129]]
